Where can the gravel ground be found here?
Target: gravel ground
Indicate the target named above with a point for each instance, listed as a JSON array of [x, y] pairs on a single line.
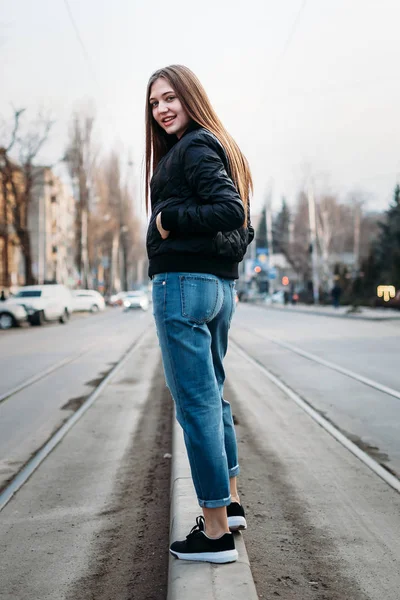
[[131, 558], [290, 559]]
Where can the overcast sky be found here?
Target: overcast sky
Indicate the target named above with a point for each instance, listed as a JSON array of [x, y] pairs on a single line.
[[300, 85]]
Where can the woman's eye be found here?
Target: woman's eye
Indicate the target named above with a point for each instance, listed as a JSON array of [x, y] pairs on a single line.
[[153, 104], [170, 98]]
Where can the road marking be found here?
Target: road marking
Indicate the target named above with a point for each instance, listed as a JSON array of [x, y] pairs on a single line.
[[338, 435], [326, 363], [33, 464]]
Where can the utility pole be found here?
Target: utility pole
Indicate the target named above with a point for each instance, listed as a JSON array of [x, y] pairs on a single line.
[[268, 224], [40, 243], [84, 246], [4, 192], [313, 243], [357, 227], [115, 281], [83, 216]]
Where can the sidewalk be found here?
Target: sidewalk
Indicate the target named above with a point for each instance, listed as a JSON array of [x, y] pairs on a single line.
[[345, 312]]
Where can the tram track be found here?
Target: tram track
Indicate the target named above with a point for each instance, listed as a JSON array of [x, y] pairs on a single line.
[[335, 367], [55, 367], [39, 376], [29, 467], [381, 470]]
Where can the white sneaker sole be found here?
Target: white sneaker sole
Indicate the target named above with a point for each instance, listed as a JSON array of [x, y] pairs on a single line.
[[237, 523], [226, 556]]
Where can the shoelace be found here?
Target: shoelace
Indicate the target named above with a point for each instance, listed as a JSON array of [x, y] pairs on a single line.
[[200, 525]]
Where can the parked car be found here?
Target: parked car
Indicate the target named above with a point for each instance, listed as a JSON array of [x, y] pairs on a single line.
[[116, 299], [138, 299], [12, 315], [87, 300], [49, 302]]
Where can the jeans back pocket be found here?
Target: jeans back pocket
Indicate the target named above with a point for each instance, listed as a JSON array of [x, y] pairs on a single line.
[[201, 297]]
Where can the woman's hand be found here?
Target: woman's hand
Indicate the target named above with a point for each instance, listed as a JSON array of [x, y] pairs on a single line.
[[163, 232]]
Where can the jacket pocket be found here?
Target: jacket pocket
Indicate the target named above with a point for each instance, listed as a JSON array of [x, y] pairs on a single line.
[[231, 244], [153, 237]]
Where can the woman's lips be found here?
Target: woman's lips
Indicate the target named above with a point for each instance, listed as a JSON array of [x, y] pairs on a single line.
[[168, 121]]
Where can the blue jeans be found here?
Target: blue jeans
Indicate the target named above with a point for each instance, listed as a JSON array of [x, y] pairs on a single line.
[[193, 312]]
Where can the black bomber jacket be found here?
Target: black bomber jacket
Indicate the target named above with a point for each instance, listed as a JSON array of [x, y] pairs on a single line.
[[201, 208]]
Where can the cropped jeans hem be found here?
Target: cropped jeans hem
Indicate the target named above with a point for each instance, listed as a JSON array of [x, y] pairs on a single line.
[[234, 472], [214, 503]]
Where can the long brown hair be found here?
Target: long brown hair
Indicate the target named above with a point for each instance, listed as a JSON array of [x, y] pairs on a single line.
[[195, 101]]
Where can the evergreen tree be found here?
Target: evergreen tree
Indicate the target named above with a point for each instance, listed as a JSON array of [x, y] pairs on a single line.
[[261, 233], [387, 248], [281, 229], [365, 284]]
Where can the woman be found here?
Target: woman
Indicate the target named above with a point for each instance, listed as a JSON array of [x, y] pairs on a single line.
[[198, 233]]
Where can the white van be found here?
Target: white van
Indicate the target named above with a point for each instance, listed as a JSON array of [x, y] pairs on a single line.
[[49, 302], [11, 314]]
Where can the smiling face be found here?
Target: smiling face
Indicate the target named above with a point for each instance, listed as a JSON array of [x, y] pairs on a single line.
[[167, 110]]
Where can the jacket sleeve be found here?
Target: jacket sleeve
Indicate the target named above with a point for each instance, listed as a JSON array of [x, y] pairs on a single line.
[[250, 228], [218, 207]]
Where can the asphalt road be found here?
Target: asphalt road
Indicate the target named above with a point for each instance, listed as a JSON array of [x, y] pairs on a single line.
[[92, 521], [367, 349], [68, 361]]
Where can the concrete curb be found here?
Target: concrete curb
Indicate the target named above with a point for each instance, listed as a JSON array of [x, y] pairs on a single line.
[[200, 580], [326, 313]]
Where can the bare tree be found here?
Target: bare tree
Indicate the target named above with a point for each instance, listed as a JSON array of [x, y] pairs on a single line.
[[297, 249], [80, 157], [18, 179], [132, 242], [342, 228], [118, 235], [333, 232], [365, 226]]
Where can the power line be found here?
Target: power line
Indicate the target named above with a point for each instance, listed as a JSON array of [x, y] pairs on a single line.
[[81, 43], [284, 51], [290, 37], [286, 46], [106, 117]]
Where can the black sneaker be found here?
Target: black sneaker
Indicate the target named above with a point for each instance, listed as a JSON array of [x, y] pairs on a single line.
[[236, 516], [198, 546]]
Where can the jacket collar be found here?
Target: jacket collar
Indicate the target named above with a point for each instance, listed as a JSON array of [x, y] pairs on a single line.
[[191, 127]]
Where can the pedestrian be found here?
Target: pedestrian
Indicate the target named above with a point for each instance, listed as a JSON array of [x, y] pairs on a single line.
[[3, 296], [336, 293], [198, 233]]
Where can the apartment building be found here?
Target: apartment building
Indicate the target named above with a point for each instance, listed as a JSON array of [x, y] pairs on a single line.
[[12, 271], [51, 219]]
